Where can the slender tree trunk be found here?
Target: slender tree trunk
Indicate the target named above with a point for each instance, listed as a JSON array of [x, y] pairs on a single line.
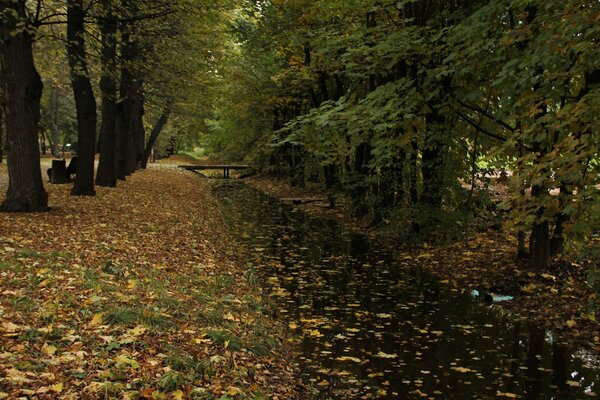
[[125, 107], [54, 115], [433, 162], [137, 133], [107, 174], [85, 102], [22, 93], [2, 128], [160, 124]]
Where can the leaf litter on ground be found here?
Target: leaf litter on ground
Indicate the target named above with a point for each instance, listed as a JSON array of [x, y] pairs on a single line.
[[137, 292]]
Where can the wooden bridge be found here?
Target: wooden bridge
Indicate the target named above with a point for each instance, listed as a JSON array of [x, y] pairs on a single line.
[[225, 168]]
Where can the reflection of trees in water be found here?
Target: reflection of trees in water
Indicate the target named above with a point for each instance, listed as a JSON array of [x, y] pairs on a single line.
[[325, 269]]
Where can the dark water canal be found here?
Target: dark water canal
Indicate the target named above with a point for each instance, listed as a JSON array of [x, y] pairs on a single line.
[[369, 326]]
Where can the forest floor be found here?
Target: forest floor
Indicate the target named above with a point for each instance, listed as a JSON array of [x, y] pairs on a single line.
[[556, 299], [136, 293]]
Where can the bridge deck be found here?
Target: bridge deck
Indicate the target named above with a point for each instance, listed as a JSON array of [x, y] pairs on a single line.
[[225, 168]]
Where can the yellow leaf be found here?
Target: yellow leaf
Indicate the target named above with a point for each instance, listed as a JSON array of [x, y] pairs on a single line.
[[58, 388], [97, 320], [509, 395], [124, 361], [177, 395], [229, 317], [462, 369], [381, 354], [48, 349], [571, 323], [131, 283], [137, 331], [346, 358], [10, 327], [293, 325], [233, 391], [529, 288]]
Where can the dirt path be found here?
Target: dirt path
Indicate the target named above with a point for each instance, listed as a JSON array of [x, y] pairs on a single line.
[[137, 292]]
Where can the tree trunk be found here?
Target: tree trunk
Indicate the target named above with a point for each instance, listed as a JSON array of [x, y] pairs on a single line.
[[126, 107], [22, 93], [85, 102], [137, 133], [160, 124], [432, 166], [2, 130], [54, 110], [107, 174]]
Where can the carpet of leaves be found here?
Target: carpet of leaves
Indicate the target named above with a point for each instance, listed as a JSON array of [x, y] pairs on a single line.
[[135, 293], [558, 299]]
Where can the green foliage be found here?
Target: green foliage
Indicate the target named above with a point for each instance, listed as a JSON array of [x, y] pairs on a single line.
[[399, 99]]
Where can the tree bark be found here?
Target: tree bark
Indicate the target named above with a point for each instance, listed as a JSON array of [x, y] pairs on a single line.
[[54, 111], [85, 101], [126, 107], [433, 161], [137, 133], [160, 124], [22, 93], [2, 130], [107, 174]]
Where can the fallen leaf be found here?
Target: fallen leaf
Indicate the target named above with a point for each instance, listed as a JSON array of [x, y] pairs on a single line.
[[96, 320]]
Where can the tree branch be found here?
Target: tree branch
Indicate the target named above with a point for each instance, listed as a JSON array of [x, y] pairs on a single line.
[[483, 112]]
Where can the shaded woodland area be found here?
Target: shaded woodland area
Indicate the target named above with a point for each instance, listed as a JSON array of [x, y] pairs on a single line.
[[469, 130], [404, 106]]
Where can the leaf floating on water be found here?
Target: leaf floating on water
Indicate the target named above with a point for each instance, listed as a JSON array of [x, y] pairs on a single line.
[[529, 288], [315, 333], [573, 383], [462, 369], [347, 358], [381, 354], [509, 395]]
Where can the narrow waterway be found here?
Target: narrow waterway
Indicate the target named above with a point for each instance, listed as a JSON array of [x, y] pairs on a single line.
[[368, 326]]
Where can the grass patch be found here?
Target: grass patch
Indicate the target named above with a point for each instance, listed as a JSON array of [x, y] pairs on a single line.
[[29, 253], [138, 315], [223, 282], [23, 304], [214, 316], [262, 343], [225, 338]]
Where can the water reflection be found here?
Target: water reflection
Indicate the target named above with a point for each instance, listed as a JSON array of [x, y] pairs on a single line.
[[370, 326]]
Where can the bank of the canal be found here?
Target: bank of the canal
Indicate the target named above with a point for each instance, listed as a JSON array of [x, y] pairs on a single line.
[[370, 323]]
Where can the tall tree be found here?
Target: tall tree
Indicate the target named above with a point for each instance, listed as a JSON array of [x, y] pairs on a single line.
[[85, 101], [106, 175], [22, 93]]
